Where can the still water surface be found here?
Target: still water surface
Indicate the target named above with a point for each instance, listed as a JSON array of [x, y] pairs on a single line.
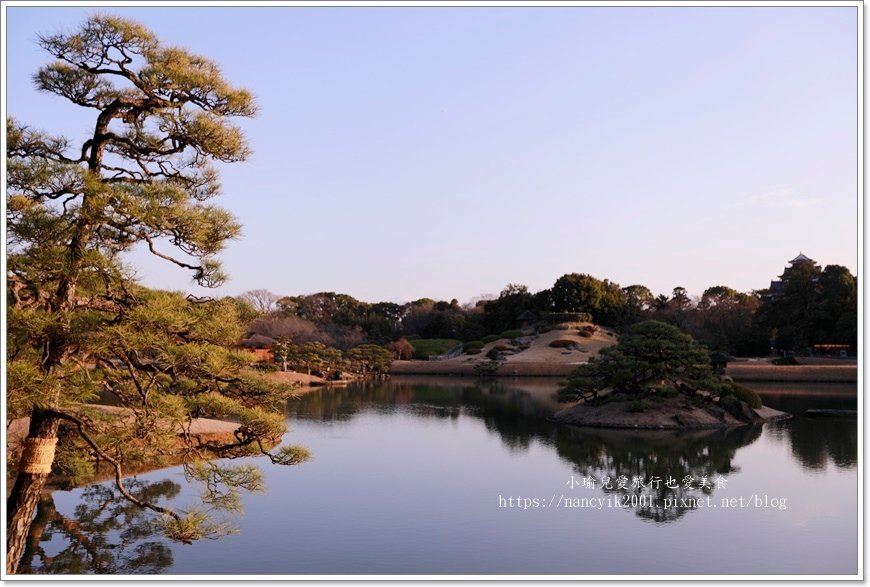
[[407, 478]]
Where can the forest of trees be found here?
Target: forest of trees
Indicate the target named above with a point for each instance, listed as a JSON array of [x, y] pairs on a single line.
[[813, 306]]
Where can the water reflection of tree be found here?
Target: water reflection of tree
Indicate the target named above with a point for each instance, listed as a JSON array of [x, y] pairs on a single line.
[[105, 534], [516, 415], [815, 442], [519, 417], [332, 404], [698, 454]]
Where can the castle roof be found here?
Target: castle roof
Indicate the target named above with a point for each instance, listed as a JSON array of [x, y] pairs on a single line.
[[801, 258]]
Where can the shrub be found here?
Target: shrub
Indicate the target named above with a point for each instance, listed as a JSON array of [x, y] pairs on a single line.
[[266, 367], [638, 405], [473, 351], [503, 347], [473, 345], [490, 338], [511, 334], [561, 343], [730, 404], [403, 349], [493, 354], [560, 327], [666, 392], [545, 328], [747, 395], [486, 368], [584, 333]]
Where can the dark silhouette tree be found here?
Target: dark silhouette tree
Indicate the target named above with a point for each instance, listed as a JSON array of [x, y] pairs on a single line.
[[577, 292], [726, 322], [639, 301], [812, 306]]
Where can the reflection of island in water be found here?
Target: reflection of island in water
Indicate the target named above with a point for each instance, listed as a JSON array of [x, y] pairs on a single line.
[[106, 533], [815, 442], [683, 464], [517, 411]]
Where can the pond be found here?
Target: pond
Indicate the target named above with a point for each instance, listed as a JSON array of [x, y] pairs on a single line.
[[450, 476]]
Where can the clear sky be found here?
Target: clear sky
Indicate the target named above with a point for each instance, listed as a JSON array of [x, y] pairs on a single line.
[[445, 152]]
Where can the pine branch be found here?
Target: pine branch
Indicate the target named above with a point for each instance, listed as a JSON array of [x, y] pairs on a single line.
[[119, 483]]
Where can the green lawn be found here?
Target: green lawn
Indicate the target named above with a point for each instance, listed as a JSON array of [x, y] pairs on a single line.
[[424, 347]]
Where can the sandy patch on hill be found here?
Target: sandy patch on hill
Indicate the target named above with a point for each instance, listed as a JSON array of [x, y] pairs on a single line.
[[540, 359]]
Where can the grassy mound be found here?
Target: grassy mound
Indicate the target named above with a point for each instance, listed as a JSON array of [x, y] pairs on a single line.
[[425, 347]]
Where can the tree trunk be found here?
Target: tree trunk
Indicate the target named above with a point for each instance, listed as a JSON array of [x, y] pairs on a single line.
[[21, 503], [45, 511]]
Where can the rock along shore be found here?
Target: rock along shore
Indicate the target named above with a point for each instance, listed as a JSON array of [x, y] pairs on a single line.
[[663, 414]]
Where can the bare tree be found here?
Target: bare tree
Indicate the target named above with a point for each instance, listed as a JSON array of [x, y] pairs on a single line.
[[298, 330], [263, 301]]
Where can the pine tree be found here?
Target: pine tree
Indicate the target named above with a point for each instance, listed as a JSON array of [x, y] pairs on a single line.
[[78, 323]]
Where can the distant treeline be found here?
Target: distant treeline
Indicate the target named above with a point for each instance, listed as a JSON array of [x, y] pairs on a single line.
[[809, 306]]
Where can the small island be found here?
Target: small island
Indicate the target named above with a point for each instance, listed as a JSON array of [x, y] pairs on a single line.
[[657, 377]]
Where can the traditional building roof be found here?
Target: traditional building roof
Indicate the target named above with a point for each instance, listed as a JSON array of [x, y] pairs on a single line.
[[258, 341], [801, 258]]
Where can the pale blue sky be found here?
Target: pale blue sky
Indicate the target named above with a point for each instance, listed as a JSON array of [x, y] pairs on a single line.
[[444, 152]]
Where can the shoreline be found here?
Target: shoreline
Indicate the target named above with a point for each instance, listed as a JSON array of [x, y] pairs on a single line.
[[748, 371]]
